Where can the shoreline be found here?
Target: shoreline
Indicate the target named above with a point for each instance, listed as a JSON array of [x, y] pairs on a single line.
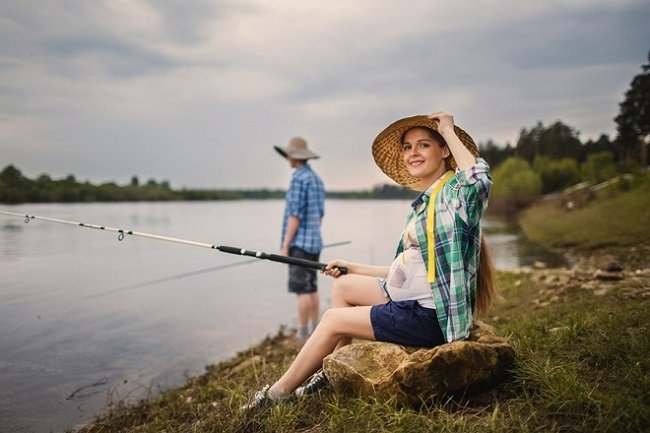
[[581, 337], [553, 287]]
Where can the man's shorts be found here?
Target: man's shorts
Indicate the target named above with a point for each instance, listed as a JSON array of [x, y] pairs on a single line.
[[301, 279], [406, 323]]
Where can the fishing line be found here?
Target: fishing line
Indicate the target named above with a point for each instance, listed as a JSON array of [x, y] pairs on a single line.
[[122, 233], [189, 274]]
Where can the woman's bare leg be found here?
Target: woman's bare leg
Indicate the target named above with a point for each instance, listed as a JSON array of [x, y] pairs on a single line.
[[355, 290], [336, 324]]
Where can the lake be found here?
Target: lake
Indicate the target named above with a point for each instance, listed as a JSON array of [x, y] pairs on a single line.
[[88, 319]]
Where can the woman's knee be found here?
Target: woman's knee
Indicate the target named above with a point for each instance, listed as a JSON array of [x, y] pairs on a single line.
[[337, 292], [330, 321], [327, 318], [339, 323]]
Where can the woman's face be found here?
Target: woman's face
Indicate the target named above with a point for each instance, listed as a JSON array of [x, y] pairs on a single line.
[[423, 156]]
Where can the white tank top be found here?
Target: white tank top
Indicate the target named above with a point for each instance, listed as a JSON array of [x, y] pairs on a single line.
[[407, 277]]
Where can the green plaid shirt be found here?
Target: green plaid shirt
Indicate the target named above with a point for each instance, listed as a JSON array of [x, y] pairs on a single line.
[[458, 210]]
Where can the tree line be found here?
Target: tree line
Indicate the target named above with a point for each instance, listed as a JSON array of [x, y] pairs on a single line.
[[16, 188], [544, 159], [548, 159]]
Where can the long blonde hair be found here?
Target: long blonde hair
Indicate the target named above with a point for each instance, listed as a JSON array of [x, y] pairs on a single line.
[[486, 287]]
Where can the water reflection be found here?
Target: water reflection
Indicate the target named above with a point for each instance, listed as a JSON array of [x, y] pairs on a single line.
[[511, 249]]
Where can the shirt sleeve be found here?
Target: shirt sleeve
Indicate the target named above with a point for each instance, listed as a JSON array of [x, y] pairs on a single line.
[[295, 203], [473, 185]]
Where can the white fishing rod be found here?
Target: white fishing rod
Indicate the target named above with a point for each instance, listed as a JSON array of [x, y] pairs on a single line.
[[224, 249]]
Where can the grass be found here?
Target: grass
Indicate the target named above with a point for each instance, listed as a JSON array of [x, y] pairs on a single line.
[[614, 223], [582, 345]]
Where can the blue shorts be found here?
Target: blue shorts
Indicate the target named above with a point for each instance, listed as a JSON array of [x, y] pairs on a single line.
[[302, 280], [406, 323]]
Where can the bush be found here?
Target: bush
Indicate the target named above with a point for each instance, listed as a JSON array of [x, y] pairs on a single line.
[[599, 167], [515, 182], [556, 175]]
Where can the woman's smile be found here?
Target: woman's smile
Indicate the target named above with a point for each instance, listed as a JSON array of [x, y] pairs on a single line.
[[423, 155]]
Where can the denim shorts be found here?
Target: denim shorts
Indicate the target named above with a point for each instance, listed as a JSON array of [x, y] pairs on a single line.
[[301, 279], [406, 323]]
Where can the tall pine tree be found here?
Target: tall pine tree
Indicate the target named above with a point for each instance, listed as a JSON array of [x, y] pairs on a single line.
[[633, 122]]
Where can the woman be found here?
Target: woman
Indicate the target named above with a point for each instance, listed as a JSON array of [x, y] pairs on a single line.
[[442, 273]]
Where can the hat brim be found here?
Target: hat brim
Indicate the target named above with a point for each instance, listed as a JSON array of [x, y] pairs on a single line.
[[296, 154], [387, 149]]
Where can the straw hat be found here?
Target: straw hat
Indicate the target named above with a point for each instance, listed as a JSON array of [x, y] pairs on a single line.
[[387, 149], [296, 149]]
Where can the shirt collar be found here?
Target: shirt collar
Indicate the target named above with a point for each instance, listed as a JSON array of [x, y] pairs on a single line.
[[415, 205], [424, 195], [304, 167]]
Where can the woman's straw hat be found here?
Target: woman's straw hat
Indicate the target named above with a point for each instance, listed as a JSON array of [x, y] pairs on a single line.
[[296, 149], [387, 149]]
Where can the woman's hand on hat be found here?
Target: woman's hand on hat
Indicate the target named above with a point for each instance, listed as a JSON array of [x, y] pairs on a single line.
[[332, 268], [444, 121], [445, 124]]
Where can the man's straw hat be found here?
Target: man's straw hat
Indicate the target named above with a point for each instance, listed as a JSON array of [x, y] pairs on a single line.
[[296, 149], [387, 149]]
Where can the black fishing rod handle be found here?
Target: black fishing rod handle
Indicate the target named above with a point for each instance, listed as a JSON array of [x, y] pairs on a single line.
[[301, 262], [277, 258]]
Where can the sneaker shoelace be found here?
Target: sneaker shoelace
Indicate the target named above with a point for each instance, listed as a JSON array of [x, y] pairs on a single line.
[[316, 382]]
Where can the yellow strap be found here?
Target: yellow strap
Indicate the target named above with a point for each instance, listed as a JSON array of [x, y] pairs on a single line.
[[431, 271]]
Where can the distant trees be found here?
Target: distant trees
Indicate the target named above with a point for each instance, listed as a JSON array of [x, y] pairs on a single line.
[[556, 141], [16, 188], [11, 176], [556, 156], [633, 121], [495, 154]]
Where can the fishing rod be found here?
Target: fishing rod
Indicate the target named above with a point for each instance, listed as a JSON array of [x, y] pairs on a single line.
[[122, 233], [189, 274]]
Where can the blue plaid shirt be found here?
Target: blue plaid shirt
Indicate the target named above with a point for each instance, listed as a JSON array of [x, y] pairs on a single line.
[[458, 209], [306, 201]]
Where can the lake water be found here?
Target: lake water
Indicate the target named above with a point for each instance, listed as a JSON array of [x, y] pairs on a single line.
[[82, 324]]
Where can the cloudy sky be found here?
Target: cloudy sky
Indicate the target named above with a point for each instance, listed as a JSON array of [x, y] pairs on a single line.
[[197, 92]]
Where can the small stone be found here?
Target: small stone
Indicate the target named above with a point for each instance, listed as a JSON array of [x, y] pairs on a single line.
[[608, 276]]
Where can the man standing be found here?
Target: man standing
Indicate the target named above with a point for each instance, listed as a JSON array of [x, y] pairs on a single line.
[[301, 234]]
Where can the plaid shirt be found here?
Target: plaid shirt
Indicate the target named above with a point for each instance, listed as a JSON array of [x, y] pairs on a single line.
[[305, 200], [458, 210]]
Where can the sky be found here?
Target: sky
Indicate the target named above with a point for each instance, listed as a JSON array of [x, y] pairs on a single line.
[[198, 92]]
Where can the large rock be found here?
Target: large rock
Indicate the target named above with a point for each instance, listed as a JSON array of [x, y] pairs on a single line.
[[415, 375]]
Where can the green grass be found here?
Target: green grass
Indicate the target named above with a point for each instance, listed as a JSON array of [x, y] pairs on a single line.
[[583, 361], [582, 366], [615, 222], [582, 357]]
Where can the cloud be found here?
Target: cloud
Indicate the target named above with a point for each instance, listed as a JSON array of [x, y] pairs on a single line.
[[198, 93]]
